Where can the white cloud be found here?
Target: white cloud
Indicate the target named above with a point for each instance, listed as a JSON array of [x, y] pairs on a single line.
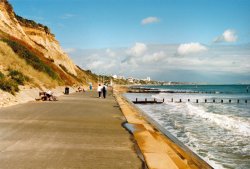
[[190, 48], [155, 57], [137, 50], [150, 20], [160, 61], [228, 36], [110, 53], [95, 65]]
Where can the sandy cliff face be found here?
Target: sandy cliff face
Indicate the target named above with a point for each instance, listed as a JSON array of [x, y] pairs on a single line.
[[31, 60], [36, 37]]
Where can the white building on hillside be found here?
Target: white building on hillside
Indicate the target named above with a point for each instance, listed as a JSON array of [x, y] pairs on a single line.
[[148, 79], [131, 79]]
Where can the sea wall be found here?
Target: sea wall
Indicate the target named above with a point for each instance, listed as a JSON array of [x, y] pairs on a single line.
[[159, 151]]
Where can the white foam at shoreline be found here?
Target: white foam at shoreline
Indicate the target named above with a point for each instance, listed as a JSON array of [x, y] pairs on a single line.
[[221, 120], [218, 133]]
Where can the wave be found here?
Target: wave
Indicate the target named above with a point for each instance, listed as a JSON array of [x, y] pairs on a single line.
[[224, 121]]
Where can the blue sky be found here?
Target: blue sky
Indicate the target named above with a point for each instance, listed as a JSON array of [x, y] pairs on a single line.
[[129, 31]]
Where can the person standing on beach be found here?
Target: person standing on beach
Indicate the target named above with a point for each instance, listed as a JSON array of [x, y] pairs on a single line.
[[99, 90], [90, 87], [104, 91]]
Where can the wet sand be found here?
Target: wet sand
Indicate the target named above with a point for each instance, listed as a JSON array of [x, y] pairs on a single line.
[[78, 131]]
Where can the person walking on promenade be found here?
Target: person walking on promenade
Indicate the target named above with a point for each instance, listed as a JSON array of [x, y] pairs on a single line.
[[99, 90], [104, 91]]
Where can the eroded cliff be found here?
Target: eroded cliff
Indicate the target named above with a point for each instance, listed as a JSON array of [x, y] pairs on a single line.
[[35, 35]]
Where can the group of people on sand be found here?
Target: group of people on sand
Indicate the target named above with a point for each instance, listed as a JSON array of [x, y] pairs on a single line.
[[102, 90]]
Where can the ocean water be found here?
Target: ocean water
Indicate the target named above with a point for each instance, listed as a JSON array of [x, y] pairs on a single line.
[[217, 132]]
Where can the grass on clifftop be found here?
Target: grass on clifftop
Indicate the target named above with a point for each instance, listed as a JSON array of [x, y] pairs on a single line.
[[9, 60], [8, 84], [18, 77], [31, 58]]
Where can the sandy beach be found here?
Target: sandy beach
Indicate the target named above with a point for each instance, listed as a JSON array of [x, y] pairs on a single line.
[[78, 131]]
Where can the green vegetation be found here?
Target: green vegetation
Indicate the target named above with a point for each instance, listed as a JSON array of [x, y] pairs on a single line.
[[9, 7], [26, 22], [10, 83], [7, 84], [1, 75], [31, 58], [18, 77], [72, 75], [32, 24]]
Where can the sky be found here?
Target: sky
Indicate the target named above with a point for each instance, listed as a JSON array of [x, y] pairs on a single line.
[[168, 40]]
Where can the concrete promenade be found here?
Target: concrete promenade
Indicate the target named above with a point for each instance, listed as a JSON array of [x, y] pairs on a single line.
[[80, 131]]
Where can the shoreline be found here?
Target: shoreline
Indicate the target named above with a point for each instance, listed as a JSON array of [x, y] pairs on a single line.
[[158, 149]]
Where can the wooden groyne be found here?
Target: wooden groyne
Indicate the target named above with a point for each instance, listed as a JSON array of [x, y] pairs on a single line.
[[148, 101], [211, 100]]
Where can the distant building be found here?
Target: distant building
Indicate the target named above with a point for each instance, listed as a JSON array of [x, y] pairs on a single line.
[[121, 77], [148, 79], [131, 79], [118, 77]]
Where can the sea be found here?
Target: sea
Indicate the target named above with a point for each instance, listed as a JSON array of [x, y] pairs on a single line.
[[217, 132]]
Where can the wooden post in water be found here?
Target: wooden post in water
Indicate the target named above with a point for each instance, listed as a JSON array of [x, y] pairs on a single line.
[[180, 100], [154, 100], [205, 100], [213, 100], [229, 100], [145, 99], [197, 101], [163, 100], [221, 101], [188, 100], [136, 100], [238, 101], [172, 100], [245, 101]]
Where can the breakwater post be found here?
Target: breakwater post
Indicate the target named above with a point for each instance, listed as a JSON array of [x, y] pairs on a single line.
[[146, 101]]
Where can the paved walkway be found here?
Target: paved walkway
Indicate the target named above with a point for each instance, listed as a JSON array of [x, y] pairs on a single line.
[[79, 131]]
